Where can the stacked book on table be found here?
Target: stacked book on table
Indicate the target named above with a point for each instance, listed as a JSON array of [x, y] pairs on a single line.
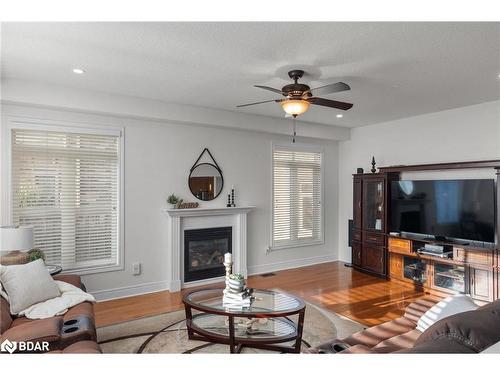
[[233, 299]]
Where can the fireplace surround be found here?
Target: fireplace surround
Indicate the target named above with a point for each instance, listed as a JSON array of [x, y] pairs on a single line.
[[181, 221]]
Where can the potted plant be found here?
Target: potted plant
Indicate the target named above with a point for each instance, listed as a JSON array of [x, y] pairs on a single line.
[[236, 282], [35, 254], [173, 200]]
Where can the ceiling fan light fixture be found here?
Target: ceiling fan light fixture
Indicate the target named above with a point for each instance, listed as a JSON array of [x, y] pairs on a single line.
[[295, 107]]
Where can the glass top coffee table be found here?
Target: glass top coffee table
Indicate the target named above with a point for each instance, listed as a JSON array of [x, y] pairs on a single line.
[[265, 324]]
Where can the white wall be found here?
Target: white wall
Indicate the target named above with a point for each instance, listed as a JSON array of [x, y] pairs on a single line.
[[32, 93], [159, 151], [158, 156], [463, 134]]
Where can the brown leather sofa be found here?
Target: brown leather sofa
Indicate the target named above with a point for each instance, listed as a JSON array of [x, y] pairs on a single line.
[[73, 332], [468, 332]]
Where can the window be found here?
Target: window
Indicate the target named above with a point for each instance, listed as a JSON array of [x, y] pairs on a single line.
[[297, 196], [66, 184]]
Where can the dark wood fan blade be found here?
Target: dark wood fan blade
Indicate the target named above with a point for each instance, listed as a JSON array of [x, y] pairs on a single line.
[[330, 103], [330, 89], [265, 101], [270, 89]]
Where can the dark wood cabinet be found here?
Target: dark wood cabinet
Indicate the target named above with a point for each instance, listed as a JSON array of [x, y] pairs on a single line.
[[471, 269], [356, 254], [369, 250], [373, 258], [358, 197], [373, 211]]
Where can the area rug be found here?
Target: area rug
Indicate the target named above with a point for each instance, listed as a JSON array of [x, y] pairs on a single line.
[[167, 333]]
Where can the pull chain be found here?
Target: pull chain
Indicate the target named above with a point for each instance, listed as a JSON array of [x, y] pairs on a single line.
[[294, 128]]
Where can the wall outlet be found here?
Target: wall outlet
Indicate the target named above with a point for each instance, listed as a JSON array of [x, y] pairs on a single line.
[[136, 268]]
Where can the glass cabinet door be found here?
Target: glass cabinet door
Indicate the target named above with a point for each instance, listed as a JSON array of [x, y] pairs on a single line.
[[448, 276], [415, 270], [373, 205]]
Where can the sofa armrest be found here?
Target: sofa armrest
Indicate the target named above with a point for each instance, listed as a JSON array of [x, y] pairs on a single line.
[[48, 330], [74, 280], [415, 310]]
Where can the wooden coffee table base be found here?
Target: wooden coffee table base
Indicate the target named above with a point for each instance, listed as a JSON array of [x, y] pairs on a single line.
[[236, 344]]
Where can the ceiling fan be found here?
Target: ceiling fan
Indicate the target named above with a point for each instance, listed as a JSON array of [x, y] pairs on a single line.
[[299, 96]]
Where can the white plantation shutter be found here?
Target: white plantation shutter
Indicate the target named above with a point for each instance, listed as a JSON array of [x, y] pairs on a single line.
[[297, 197], [66, 185]]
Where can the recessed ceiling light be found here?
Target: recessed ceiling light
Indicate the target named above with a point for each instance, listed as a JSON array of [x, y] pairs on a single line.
[[78, 71], [340, 115]]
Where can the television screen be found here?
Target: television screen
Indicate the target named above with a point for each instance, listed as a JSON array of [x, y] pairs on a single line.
[[458, 209]]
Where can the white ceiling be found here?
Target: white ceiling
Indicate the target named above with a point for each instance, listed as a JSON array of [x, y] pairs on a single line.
[[395, 70]]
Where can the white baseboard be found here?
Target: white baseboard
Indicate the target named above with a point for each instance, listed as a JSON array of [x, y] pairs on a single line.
[[272, 267], [129, 291]]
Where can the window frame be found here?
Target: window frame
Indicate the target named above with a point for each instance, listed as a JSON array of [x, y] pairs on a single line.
[[305, 148], [27, 123]]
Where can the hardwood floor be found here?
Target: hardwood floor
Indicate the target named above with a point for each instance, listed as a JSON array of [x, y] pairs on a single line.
[[332, 286]]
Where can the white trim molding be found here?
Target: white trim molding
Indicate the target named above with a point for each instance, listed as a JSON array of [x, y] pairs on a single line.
[[129, 291], [193, 212], [305, 147], [24, 122]]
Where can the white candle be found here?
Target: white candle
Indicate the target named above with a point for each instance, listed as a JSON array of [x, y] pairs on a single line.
[[227, 258]]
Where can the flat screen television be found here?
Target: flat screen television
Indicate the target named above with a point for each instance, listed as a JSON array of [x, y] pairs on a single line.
[[452, 209]]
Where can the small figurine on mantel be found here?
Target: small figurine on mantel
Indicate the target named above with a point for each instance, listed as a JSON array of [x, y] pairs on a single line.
[[230, 198], [374, 170]]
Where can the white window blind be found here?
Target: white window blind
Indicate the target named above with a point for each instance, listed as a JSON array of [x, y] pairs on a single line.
[[66, 185], [297, 200]]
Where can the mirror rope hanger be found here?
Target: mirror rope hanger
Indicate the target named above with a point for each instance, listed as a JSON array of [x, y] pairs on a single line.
[[211, 157]]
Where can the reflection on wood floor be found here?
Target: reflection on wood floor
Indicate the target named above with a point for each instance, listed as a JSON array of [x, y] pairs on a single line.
[[332, 286]]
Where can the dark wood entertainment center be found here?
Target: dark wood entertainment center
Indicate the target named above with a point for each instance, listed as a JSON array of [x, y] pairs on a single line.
[[474, 270]]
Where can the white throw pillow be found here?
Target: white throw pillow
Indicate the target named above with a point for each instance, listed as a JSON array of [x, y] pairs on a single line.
[[449, 306], [27, 284], [493, 349]]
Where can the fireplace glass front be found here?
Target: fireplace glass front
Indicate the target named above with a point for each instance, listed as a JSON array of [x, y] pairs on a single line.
[[204, 251]]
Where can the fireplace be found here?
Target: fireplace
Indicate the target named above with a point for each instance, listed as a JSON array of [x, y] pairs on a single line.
[[181, 222], [204, 251]]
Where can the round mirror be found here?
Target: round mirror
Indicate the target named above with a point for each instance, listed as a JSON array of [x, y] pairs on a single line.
[[205, 181]]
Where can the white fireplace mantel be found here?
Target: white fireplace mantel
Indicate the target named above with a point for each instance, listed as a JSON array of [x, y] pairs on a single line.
[[198, 218]]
